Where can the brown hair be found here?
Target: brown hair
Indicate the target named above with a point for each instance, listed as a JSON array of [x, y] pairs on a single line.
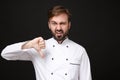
[[57, 10]]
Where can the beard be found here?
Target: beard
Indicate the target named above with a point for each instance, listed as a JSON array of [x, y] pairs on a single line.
[[60, 35]]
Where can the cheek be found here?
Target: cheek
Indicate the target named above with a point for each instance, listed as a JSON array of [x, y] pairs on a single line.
[[52, 29], [65, 29]]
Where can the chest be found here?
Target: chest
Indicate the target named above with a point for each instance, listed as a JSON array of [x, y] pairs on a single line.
[[59, 54], [59, 57], [59, 61]]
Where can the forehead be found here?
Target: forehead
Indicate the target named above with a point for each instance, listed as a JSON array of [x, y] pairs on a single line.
[[59, 18]]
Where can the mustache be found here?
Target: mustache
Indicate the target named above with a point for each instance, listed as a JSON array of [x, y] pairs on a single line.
[[56, 31]]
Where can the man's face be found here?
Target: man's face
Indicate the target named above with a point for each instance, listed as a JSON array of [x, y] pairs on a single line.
[[59, 26]]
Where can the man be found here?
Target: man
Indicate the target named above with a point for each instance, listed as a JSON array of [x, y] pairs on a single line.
[[57, 58]]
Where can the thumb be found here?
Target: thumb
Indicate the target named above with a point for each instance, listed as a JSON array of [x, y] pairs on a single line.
[[41, 54], [39, 50]]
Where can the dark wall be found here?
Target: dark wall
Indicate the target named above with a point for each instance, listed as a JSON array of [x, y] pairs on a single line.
[[94, 26]]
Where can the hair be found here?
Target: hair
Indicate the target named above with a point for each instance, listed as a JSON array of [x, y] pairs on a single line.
[[57, 10]]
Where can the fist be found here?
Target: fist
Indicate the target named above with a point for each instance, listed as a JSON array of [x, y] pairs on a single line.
[[37, 43]]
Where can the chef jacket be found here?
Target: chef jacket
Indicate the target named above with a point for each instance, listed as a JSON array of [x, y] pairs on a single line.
[[66, 61]]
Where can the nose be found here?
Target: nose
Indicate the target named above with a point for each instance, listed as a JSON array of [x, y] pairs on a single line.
[[58, 27]]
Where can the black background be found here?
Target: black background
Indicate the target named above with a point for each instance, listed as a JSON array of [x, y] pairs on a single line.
[[94, 25]]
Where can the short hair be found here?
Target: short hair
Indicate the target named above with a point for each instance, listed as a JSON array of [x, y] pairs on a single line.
[[57, 10]]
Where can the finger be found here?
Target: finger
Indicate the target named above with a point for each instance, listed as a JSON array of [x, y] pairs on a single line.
[[39, 51], [37, 40], [41, 54], [37, 47], [42, 46], [41, 39], [42, 42]]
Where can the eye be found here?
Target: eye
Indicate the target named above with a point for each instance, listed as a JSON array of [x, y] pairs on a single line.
[[54, 23], [63, 23]]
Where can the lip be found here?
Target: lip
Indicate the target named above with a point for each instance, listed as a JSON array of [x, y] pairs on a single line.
[[59, 34]]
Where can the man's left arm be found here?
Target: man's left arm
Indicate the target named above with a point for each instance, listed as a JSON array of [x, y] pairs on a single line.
[[85, 70]]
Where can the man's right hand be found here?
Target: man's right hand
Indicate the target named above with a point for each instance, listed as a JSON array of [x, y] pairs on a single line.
[[37, 43]]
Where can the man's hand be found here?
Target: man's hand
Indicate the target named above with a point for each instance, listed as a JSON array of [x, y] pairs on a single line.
[[37, 43]]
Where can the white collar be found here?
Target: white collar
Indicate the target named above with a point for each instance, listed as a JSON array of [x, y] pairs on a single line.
[[63, 43]]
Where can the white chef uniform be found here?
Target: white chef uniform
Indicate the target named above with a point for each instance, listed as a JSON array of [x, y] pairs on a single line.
[[66, 61]]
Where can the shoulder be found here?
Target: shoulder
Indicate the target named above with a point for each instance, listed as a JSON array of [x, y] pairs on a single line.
[[79, 50], [76, 45], [50, 40]]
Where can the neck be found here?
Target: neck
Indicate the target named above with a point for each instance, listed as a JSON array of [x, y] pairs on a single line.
[[60, 41]]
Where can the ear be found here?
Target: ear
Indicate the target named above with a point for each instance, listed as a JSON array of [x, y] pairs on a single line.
[[49, 24], [69, 25]]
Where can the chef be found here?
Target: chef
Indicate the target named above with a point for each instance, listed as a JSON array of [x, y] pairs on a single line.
[[57, 58]]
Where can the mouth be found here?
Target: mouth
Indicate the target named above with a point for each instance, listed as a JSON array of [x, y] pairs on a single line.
[[59, 33]]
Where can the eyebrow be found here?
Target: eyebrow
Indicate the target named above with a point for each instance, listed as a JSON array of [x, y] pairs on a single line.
[[60, 22], [53, 21]]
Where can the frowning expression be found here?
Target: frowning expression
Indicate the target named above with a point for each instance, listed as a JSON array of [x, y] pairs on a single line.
[[59, 26]]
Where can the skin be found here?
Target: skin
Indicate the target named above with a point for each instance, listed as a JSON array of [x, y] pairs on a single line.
[[59, 26]]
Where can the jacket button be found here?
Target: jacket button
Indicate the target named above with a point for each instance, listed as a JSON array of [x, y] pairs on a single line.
[[66, 59], [67, 46], [52, 58], [66, 74], [53, 45], [51, 73]]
